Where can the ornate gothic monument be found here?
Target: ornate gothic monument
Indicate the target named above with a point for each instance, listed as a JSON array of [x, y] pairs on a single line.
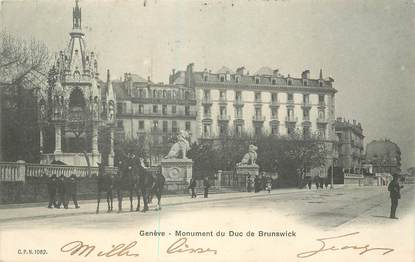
[[78, 106]]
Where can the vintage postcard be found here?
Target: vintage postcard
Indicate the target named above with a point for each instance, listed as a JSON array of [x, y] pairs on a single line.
[[207, 130]]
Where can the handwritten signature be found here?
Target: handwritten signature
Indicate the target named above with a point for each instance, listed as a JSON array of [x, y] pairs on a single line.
[[363, 248], [79, 248], [181, 246]]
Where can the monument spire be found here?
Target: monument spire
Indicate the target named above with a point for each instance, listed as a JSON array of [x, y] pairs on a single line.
[[76, 14]]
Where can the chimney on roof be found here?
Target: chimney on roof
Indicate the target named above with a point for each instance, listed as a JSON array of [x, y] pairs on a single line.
[[240, 71], [276, 72], [305, 74]]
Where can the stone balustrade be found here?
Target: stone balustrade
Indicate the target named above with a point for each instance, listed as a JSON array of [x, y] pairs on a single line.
[[18, 171], [12, 171]]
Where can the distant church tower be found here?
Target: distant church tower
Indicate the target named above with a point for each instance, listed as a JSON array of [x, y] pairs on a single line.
[[83, 107]]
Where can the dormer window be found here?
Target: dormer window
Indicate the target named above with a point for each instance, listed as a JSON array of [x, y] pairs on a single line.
[[274, 81], [222, 78], [289, 82]]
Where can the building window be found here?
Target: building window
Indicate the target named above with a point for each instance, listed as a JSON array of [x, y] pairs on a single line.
[[165, 126], [289, 82], [174, 126], [290, 114], [222, 78], [238, 96], [206, 130], [206, 110], [187, 110], [274, 130], [274, 97], [306, 114], [223, 129], [321, 99], [258, 130], [188, 126], [222, 110], [257, 80], [257, 97], [274, 113], [206, 94], [290, 130], [258, 113], [164, 109], [274, 81], [222, 95], [155, 108], [140, 109], [306, 132], [290, 97], [155, 124], [238, 113], [140, 124], [238, 129], [306, 99], [120, 108], [173, 109]]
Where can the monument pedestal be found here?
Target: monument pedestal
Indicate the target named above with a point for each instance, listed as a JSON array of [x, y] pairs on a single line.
[[251, 170], [177, 172]]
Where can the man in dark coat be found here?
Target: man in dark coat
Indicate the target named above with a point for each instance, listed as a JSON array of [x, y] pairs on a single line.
[[72, 190], [61, 192], [52, 186], [395, 194], [192, 186], [206, 185]]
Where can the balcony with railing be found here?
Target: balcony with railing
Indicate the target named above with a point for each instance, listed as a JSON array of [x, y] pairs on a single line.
[[322, 120], [291, 119], [238, 102], [258, 118], [224, 117], [206, 100]]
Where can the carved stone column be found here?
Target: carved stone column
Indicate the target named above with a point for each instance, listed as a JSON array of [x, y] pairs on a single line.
[[95, 139], [58, 139]]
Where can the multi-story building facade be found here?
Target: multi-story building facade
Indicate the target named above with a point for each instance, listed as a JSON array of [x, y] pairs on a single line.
[[154, 111], [266, 102], [350, 145]]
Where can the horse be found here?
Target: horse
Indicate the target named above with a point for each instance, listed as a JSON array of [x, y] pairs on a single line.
[[145, 185], [105, 184], [127, 180], [157, 188]]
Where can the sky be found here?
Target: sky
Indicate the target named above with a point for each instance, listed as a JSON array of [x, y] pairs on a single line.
[[366, 46]]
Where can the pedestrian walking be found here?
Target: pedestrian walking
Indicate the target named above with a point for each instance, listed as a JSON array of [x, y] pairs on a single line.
[[326, 182], [61, 192], [316, 181], [248, 184], [52, 186], [268, 184], [257, 184], [192, 186], [395, 194], [206, 185], [72, 190]]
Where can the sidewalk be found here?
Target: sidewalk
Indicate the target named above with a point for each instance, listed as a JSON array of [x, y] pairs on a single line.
[[28, 211]]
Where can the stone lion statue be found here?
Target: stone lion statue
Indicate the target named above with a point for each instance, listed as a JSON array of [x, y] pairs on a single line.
[[181, 147], [250, 157]]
